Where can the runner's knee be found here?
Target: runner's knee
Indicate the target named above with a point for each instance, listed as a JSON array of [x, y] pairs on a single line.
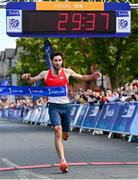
[[65, 136], [58, 132]]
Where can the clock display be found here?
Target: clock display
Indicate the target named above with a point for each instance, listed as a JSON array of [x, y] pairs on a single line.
[[68, 22]]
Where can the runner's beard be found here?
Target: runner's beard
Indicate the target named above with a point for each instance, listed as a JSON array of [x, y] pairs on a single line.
[[57, 68]]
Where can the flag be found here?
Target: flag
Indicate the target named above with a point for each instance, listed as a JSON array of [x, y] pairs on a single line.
[[48, 52], [4, 82]]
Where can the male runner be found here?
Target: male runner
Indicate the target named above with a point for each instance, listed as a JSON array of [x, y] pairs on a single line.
[[57, 75]]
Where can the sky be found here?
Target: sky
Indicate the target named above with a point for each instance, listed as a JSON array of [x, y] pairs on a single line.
[[5, 40]]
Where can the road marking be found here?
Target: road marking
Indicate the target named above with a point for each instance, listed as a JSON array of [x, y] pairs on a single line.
[[23, 174]]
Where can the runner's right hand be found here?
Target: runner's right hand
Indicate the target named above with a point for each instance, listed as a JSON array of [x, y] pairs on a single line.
[[26, 76]]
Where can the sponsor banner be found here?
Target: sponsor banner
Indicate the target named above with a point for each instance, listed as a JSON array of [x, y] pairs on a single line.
[[31, 90], [108, 116], [4, 82], [91, 117], [82, 114], [13, 113], [123, 21], [73, 113], [127, 118], [14, 21], [134, 125]]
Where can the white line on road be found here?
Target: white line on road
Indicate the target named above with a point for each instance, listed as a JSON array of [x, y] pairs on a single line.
[[23, 174]]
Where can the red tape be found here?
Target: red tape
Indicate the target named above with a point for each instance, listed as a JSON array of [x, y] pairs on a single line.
[[70, 164]]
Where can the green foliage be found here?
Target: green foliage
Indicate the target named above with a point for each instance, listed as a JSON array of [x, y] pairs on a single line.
[[31, 58], [77, 53]]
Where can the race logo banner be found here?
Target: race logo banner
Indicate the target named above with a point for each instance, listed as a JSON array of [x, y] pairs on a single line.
[[31, 90], [14, 23]]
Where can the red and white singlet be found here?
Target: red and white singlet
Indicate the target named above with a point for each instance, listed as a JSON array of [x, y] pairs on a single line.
[[59, 80]]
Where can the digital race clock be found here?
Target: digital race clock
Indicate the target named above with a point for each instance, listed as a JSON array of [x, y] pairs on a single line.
[[68, 19], [68, 22]]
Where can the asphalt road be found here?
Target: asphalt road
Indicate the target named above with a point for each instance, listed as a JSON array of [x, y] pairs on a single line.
[[27, 149]]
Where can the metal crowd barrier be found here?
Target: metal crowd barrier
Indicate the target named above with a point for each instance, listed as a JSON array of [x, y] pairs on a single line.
[[117, 117], [33, 115]]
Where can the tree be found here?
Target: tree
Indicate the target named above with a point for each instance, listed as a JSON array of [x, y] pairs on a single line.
[[31, 58], [118, 57]]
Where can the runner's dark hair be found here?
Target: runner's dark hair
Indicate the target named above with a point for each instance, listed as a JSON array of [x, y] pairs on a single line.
[[58, 54]]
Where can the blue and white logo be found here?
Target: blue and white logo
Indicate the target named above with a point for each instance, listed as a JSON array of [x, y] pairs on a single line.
[[13, 23], [122, 23]]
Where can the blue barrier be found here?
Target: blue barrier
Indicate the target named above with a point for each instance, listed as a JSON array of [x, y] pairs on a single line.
[[108, 116], [82, 114], [44, 119], [5, 112], [134, 125], [91, 117], [74, 110], [0, 113], [13, 113], [27, 114], [127, 114], [114, 117], [36, 114]]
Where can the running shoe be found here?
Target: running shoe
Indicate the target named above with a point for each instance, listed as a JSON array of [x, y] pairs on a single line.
[[64, 167]]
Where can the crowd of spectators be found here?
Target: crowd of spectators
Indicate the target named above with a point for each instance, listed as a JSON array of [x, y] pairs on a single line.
[[129, 92], [23, 103]]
